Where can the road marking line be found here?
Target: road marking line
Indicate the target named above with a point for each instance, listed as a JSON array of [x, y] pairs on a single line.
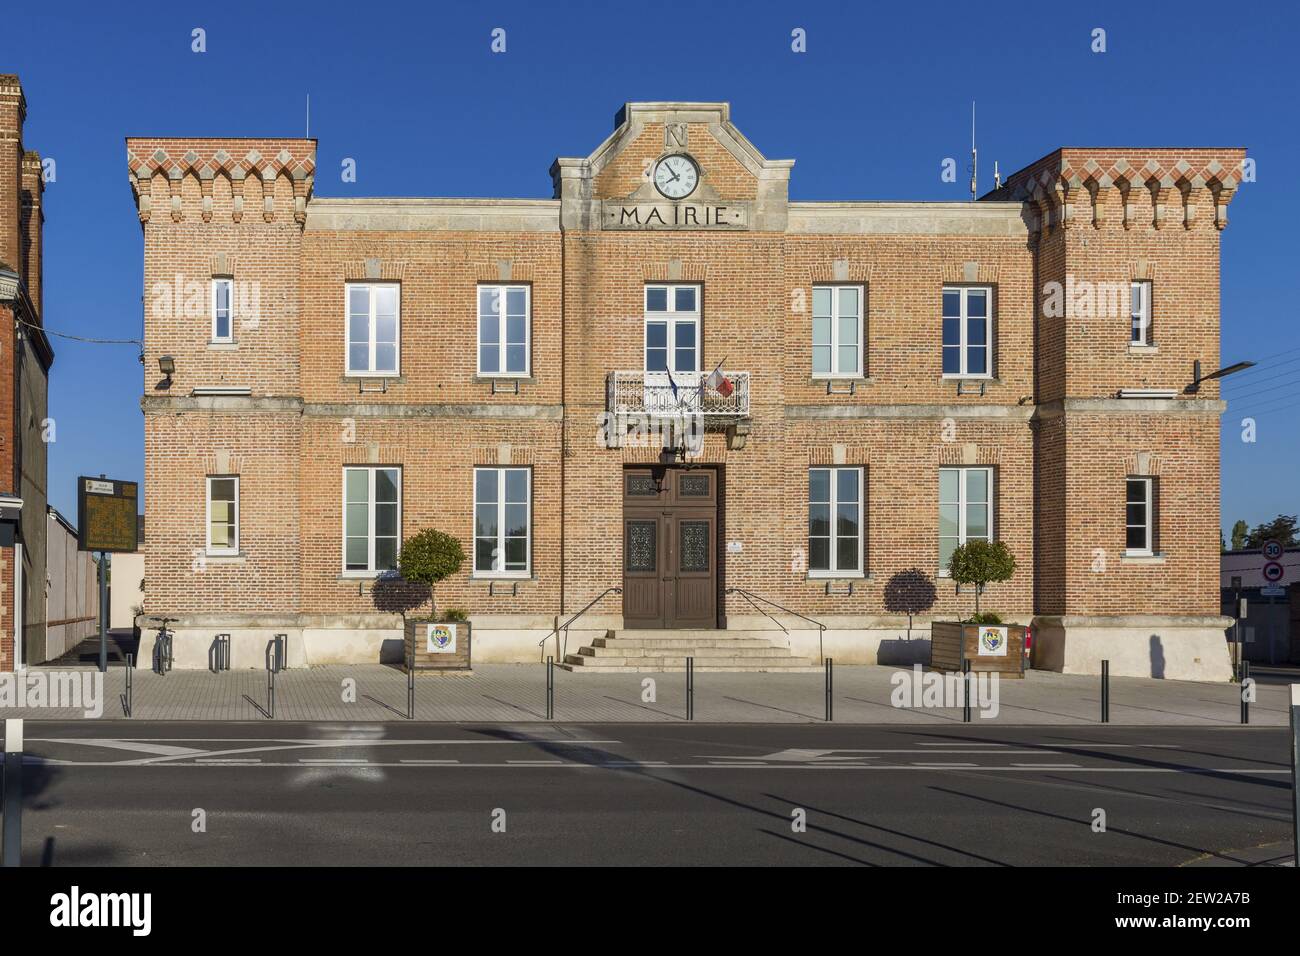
[[123, 744], [534, 763], [430, 761], [1046, 766], [238, 760], [332, 763], [922, 763]]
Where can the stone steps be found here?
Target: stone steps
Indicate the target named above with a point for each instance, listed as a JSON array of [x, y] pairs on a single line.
[[633, 651]]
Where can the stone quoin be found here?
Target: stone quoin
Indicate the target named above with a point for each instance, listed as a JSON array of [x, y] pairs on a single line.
[[877, 382]]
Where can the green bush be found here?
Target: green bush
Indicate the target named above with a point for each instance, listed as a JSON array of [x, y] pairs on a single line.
[[456, 614], [430, 556], [981, 562], [988, 617]]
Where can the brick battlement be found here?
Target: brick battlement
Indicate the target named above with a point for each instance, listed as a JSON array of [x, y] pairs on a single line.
[[203, 175]]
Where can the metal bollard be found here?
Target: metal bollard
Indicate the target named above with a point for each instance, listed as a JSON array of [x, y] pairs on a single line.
[[690, 688], [830, 683], [1105, 692], [1246, 685], [270, 693], [12, 799], [410, 690], [130, 669], [966, 687], [1295, 771], [550, 688]]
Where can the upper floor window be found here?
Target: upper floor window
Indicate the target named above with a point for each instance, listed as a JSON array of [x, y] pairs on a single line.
[[503, 329], [965, 509], [502, 521], [672, 328], [966, 327], [1140, 309], [835, 499], [372, 519], [1139, 516], [223, 326], [373, 328], [223, 514], [837, 331]]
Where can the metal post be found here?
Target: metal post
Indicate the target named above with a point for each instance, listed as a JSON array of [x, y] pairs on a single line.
[[270, 693], [410, 690], [690, 688], [830, 683], [550, 688], [130, 666], [1105, 692], [1295, 771], [1245, 687], [13, 793], [965, 704], [103, 613]]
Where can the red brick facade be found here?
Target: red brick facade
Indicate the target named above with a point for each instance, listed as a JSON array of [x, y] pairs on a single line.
[[25, 358], [1052, 420]]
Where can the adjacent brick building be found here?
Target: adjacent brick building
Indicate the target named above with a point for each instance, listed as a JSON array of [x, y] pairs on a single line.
[[25, 359], [893, 378]]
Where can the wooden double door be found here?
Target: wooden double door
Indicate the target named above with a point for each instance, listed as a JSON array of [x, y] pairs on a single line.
[[670, 547]]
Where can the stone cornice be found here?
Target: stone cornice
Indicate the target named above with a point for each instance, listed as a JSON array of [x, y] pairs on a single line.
[[269, 405], [998, 219], [1130, 406], [442, 215]]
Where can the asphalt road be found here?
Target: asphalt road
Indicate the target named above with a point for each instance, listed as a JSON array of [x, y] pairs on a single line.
[[130, 792]]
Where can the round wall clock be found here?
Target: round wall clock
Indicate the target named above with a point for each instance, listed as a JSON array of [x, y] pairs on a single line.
[[676, 176]]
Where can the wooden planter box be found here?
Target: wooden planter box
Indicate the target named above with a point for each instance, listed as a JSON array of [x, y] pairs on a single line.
[[422, 642], [952, 642]]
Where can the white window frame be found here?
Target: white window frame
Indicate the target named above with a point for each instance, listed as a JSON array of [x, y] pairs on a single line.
[[370, 571], [834, 290], [1140, 319], [835, 571], [965, 346], [503, 287], [229, 284], [963, 501], [527, 570], [1150, 526], [672, 317], [207, 534], [372, 372]]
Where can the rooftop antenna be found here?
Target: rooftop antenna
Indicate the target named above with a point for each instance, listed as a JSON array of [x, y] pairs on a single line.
[[974, 156], [308, 136], [997, 177]]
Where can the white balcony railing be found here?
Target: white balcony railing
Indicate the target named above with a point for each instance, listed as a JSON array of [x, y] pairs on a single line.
[[652, 393]]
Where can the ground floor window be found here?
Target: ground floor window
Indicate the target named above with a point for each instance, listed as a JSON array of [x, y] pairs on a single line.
[[1139, 516], [965, 509], [223, 514], [372, 519], [502, 521], [835, 498]]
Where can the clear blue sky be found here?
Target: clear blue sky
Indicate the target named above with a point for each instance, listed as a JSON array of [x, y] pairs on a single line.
[[412, 93]]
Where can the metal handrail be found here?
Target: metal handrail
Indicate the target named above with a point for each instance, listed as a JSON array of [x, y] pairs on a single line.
[[555, 632], [750, 596]]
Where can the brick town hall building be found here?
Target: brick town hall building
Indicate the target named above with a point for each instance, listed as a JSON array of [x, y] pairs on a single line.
[[896, 378]]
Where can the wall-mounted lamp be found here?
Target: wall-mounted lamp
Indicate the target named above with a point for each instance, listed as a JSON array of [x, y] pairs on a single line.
[[1198, 378], [166, 365]]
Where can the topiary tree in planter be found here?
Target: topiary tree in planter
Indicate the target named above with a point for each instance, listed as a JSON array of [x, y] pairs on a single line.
[[430, 556], [979, 563]]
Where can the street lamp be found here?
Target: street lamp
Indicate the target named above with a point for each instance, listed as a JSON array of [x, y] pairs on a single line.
[[1198, 378]]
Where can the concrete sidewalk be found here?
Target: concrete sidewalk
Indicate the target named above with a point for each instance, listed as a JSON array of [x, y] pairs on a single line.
[[517, 692]]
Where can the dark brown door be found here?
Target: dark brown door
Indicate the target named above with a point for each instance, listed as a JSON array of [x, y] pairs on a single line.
[[670, 542]]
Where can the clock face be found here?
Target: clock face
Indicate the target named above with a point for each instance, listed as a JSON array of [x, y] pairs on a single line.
[[676, 176]]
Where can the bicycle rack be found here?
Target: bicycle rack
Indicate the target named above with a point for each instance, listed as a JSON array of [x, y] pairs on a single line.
[[219, 654]]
